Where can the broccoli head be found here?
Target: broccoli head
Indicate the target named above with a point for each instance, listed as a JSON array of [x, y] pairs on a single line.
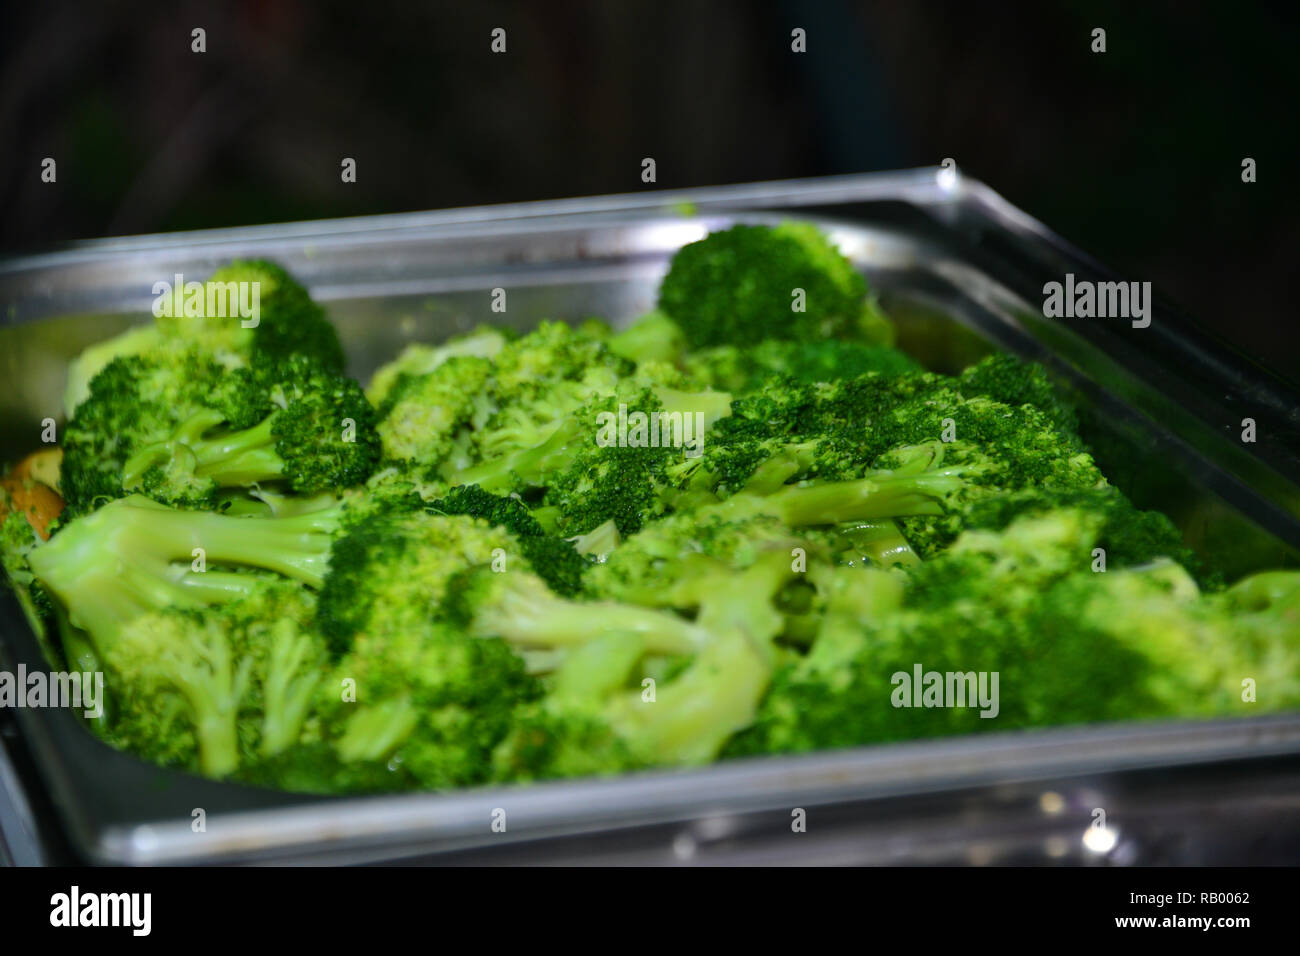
[[208, 688], [739, 285], [288, 322], [292, 422]]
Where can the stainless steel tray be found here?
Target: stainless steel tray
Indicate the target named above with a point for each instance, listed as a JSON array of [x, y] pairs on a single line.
[[962, 272]]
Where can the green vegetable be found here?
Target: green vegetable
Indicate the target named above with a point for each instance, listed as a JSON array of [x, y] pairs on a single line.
[[489, 567]]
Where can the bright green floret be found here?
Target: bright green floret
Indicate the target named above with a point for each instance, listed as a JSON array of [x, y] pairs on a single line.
[[292, 423], [743, 285]]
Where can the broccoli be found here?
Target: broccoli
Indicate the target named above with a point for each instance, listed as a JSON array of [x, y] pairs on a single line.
[[600, 714], [556, 560], [519, 607], [92, 360], [180, 427], [18, 539], [1006, 379], [288, 324], [629, 484], [911, 447], [654, 337], [293, 422], [1069, 645], [740, 286], [741, 369], [205, 688], [591, 479], [487, 567], [134, 402], [134, 556], [429, 697], [458, 407], [425, 419], [418, 360], [391, 570], [430, 701]]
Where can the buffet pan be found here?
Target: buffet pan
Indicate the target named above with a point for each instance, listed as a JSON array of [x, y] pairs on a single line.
[[962, 273]]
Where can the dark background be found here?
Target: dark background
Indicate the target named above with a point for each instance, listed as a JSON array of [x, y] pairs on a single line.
[[1135, 154]]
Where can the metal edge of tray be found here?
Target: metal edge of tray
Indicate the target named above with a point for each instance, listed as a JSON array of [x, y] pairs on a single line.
[[922, 187], [461, 820]]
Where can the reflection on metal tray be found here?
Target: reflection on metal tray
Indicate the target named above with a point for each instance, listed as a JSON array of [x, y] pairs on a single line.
[[961, 272]]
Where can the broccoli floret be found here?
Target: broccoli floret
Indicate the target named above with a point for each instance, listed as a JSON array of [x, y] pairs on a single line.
[[391, 571], [18, 539], [582, 451], [629, 485], [652, 338], [554, 559], [208, 687], [289, 323], [293, 422], [920, 450], [601, 714], [996, 448], [663, 564], [501, 510], [738, 286], [135, 401], [429, 698], [430, 702], [83, 369], [134, 556], [1130, 537], [418, 360], [1006, 379], [424, 419], [553, 352], [743, 368]]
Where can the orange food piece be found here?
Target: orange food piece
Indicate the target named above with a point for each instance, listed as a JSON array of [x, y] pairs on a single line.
[[26, 489]]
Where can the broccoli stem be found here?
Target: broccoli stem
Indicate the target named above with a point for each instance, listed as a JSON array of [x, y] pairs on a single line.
[[213, 587], [216, 710], [713, 405], [377, 729], [693, 715], [652, 337], [879, 541], [230, 459], [597, 668], [525, 612], [241, 457], [598, 542], [133, 556], [287, 692], [879, 496], [528, 466]]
